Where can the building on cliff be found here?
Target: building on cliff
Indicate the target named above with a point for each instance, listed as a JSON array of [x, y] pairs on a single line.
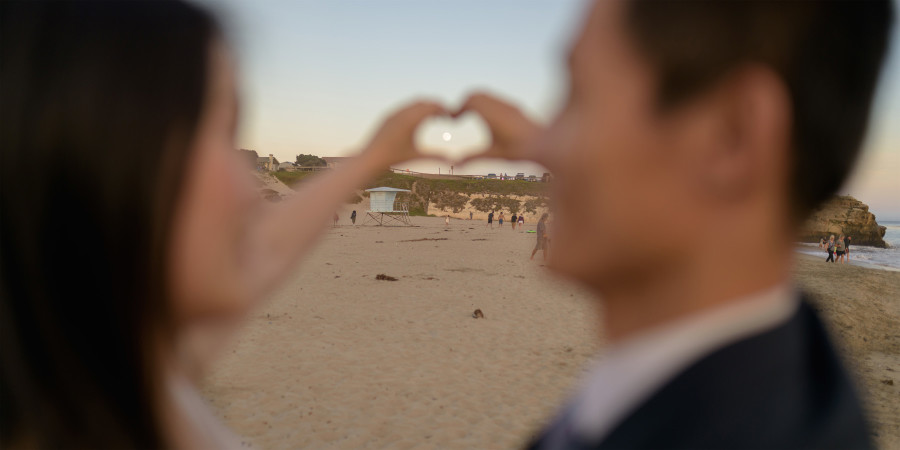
[[267, 163]]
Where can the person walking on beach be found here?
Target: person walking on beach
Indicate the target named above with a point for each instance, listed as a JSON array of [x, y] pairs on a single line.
[[710, 118], [470, 215], [447, 221], [335, 218], [353, 217], [490, 222], [847, 248], [839, 249], [548, 226], [521, 221], [541, 243], [829, 247], [512, 221], [500, 219]]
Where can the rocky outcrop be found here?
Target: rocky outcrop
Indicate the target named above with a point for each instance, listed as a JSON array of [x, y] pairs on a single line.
[[844, 215]]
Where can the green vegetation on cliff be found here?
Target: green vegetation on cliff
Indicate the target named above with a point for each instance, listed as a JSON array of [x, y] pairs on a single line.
[[289, 178], [452, 195], [487, 187], [310, 161]]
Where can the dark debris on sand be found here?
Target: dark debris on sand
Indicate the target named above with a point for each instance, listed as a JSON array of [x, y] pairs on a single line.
[[425, 239], [384, 277]]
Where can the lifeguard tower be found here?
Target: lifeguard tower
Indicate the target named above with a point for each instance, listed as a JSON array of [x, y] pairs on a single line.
[[382, 209]]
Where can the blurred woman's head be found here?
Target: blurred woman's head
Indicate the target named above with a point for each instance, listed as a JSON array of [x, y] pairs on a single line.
[[101, 106]]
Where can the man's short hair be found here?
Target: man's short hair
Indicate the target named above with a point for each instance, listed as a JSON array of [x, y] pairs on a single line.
[[828, 53]]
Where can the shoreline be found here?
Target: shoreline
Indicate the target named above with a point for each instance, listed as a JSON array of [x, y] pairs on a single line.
[[811, 250]]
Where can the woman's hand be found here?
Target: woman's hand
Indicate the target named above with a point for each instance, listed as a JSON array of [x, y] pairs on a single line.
[[393, 142], [513, 135]]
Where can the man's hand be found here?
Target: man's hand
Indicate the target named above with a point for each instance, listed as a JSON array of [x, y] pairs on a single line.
[[513, 136], [393, 142]]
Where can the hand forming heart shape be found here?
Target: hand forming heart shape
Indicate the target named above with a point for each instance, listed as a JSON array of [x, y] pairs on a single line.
[[496, 129], [453, 139]]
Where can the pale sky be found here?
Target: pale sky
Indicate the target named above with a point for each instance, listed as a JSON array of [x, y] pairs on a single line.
[[317, 76]]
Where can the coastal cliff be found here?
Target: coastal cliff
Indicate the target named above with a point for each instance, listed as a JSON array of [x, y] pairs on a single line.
[[847, 215], [444, 196]]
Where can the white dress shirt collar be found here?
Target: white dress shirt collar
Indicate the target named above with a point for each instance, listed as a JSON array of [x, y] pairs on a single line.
[[633, 370]]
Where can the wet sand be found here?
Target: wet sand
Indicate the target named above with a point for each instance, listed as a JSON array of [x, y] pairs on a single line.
[[339, 359]]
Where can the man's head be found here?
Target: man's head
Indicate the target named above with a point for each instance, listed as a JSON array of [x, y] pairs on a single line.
[[706, 117]]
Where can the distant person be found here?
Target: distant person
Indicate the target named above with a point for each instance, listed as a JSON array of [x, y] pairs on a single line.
[[335, 218], [353, 217], [447, 221], [829, 247], [847, 248], [821, 242], [521, 220], [147, 210], [490, 221], [715, 119], [500, 219], [541, 243], [839, 249], [512, 221], [470, 215], [548, 232]]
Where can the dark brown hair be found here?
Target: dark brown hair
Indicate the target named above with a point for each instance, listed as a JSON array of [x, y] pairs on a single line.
[[828, 53], [99, 103]]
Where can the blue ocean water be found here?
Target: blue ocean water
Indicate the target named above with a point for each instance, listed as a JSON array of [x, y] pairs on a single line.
[[882, 258]]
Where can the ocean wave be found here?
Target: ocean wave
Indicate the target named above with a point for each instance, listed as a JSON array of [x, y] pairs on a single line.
[[887, 258]]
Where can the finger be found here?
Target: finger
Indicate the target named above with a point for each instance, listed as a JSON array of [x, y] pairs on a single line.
[[420, 110], [412, 118], [486, 105], [410, 115], [475, 103]]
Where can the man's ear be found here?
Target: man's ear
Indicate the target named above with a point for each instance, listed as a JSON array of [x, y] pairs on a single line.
[[749, 136]]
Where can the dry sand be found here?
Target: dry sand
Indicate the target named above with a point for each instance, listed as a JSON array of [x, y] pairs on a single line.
[[862, 309], [338, 359]]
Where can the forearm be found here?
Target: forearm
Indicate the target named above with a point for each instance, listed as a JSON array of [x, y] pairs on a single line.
[[289, 229], [285, 232]]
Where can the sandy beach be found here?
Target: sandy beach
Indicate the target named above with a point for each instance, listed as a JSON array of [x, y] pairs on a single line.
[[339, 359], [862, 309]]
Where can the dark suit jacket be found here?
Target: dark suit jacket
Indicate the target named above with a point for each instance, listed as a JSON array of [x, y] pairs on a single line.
[[785, 388]]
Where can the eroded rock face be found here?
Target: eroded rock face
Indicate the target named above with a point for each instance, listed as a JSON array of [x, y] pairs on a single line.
[[844, 215]]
